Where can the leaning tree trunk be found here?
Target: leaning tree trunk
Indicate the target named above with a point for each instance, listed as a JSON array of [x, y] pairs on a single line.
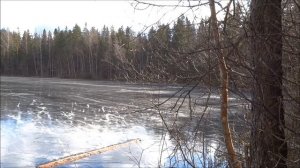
[[233, 160], [268, 143]]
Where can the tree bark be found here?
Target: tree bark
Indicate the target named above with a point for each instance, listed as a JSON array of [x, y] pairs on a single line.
[[268, 143], [233, 160]]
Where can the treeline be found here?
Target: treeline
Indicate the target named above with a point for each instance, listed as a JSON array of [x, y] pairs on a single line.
[[163, 53], [99, 54]]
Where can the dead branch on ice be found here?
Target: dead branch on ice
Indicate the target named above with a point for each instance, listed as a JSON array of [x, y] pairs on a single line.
[[78, 156]]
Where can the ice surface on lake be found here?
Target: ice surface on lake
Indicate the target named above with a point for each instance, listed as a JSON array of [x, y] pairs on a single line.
[[45, 119]]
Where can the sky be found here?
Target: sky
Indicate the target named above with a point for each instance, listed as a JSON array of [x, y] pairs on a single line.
[[37, 15]]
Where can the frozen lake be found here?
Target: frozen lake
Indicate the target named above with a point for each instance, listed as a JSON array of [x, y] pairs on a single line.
[[44, 119]]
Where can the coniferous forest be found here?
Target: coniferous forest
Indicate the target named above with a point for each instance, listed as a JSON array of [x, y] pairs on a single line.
[[165, 52]]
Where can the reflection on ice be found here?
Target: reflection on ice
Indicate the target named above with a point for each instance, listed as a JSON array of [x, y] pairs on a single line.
[[32, 143]]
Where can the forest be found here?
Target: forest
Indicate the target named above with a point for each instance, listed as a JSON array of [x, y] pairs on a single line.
[[107, 54], [255, 48]]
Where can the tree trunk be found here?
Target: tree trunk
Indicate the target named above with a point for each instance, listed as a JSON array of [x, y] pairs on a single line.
[[268, 143], [233, 160], [298, 51], [41, 59]]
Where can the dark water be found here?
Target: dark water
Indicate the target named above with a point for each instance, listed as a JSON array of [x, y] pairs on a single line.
[[45, 119]]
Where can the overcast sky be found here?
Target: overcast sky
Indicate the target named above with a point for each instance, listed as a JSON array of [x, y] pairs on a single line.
[[36, 15]]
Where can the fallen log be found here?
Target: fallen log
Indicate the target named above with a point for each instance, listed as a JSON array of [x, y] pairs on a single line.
[[78, 156]]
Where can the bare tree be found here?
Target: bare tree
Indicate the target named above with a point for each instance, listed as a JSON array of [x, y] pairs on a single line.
[[233, 160]]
